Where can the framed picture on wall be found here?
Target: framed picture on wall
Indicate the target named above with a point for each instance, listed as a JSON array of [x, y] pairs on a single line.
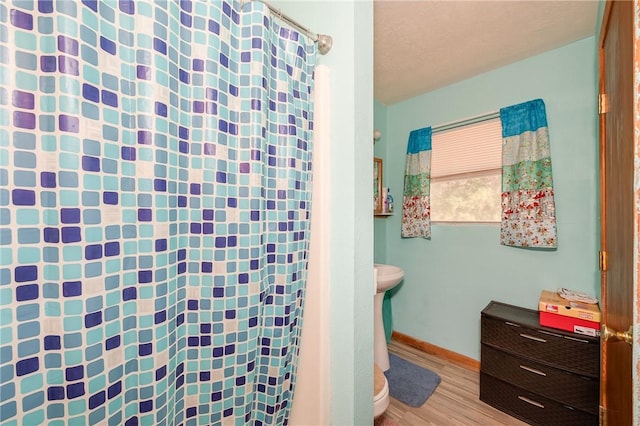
[[377, 185]]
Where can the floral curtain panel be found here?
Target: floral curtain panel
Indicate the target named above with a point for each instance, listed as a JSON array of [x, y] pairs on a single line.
[[528, 207], [416, 206]]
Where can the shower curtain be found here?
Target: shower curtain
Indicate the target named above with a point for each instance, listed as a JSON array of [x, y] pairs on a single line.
[[154, 212]]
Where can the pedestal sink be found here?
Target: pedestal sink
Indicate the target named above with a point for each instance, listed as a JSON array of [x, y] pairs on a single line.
[[387, 277]]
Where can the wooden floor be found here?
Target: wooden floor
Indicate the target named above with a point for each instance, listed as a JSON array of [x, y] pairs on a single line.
[[455, 401]]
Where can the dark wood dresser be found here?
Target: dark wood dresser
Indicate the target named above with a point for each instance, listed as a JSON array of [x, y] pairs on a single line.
[[540, 375]]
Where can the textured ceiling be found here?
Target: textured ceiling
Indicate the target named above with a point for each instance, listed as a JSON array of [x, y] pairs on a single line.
[[420, 46]]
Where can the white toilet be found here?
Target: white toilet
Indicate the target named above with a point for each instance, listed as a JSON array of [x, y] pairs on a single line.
[[380, 392]]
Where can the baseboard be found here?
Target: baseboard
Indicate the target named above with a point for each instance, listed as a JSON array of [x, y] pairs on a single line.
[[453, 357]]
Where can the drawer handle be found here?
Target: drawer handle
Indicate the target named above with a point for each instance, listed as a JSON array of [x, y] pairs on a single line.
[[533, 370], [512, 324], [575, 339], [530, 401], [537, 339]]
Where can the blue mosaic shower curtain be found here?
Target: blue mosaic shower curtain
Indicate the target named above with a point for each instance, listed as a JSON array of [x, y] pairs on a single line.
[[154, 212]]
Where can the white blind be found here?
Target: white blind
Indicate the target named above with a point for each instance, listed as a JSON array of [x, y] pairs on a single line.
[[472, 148]]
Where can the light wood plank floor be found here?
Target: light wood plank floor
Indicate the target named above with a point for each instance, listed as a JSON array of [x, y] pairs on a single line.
[[455, 401]]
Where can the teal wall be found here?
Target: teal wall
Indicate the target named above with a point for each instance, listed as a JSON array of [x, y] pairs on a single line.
[[380, 223], [350, 23], [380, 150], [450, 278], [601, 5]]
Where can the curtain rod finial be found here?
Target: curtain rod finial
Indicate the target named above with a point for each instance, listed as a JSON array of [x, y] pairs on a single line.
[[325, 43]]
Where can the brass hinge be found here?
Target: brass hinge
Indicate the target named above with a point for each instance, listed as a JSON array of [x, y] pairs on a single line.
[[602, 414], [603, 103], [602, 260]]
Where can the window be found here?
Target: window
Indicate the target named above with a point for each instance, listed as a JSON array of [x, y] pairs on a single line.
[[466, 178]]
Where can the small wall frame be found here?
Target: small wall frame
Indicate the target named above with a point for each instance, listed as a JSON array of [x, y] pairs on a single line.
[[377, 185]]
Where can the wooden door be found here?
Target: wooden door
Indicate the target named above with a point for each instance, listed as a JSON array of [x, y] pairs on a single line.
[[617, 208]]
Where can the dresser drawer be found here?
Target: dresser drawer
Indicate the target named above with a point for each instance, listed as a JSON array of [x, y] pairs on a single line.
[[530, 407], [574, 354], [577, 391]]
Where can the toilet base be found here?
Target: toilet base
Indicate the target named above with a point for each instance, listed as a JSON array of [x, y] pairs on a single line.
[[381, 403], [381, 398]]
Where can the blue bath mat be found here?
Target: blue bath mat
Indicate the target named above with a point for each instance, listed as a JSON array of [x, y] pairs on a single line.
[[410, 383]]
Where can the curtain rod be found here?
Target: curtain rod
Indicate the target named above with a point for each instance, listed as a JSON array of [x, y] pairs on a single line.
[[324, 41], [466, 122]]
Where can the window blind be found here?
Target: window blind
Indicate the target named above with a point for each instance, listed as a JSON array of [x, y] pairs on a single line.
[[469, 149]]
